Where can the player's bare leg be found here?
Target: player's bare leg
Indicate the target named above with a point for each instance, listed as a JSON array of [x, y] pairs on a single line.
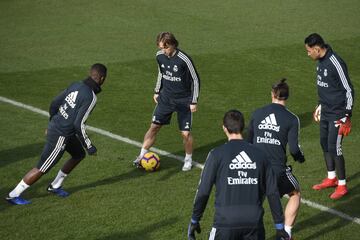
[[150, 136], [30, 178], [188, 145], [149, 140], [291, 210], [70, 165]]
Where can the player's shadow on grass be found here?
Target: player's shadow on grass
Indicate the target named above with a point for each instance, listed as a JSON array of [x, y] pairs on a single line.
[[306, 119], [172, 166], [143, 233], [110, 180], [169, 167], [353, 177], [38, 190], [20, 153], [324, 223]]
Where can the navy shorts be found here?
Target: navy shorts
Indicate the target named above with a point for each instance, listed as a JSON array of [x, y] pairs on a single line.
[[237, 233], [55, 147], [167, 106], [287, 182]]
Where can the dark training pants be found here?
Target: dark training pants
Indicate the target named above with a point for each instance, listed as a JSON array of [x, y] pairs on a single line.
[[237, 234], [331, 144], [55, 147]]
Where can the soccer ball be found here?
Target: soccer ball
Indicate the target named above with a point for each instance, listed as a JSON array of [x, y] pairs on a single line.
[[150, 162]]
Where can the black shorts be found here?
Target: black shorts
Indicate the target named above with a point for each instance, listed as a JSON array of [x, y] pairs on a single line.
[[287, 182], [165, 108], [55, 147], [237, 233]]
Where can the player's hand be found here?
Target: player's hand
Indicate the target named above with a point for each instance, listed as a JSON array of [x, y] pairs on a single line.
[[299, 156], [281, 234], [344, 125], [92, 150], [155, 97], [193, 107], [317, 113], [301, 159], [193, 226]]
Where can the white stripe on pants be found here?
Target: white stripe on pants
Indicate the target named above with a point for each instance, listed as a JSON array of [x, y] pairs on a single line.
[[212, 234]]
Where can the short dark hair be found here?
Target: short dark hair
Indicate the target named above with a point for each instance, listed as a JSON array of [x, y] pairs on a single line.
[[315, 39], [281, 90], [100, 69], [234, 121], [167, 38]]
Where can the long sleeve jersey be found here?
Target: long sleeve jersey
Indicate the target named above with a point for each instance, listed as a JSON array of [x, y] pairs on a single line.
[[243, 177], [71, 108], [177, 77], [336, 93], [271, 128]]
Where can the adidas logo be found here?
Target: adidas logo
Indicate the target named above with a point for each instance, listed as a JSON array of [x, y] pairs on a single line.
[[242, 161], [269, 123], [71, 98]]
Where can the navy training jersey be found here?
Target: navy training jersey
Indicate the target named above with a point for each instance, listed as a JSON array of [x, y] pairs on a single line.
[[177, 77], [71, 108], [335, 91], [271, 128], [243, 177]]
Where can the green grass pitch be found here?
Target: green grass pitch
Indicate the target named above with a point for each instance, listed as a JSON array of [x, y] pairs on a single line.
[[239, 48]]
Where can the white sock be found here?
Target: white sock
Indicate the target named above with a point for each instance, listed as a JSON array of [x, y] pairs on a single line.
[[59, 179], [143, 152], [331, 174], [342, 182], [188, 156], [19, 189], [288, 230]]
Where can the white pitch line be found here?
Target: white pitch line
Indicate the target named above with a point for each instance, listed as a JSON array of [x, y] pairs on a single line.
[[330, 210], [170, 155], [102, 132]]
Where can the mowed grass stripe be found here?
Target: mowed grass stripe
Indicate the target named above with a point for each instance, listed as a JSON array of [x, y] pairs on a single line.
[[170, 155]]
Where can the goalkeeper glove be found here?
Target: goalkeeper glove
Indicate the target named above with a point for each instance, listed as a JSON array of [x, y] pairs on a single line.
[[317, 113], [193, 226], [344, 125], [281, 234], [91, 150]]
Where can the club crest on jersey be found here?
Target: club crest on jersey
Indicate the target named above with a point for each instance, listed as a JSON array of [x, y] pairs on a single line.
[[175, 69], [242, 161]]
